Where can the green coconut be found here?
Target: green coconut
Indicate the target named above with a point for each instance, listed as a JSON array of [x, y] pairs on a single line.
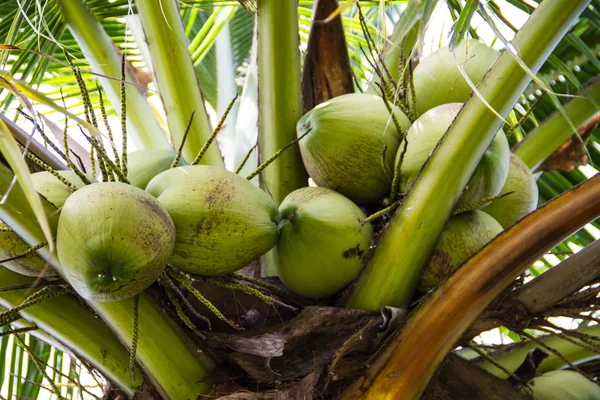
[[342, 150], [322, 245], [223, 222], [464, 235], [438, 80], [143, 165], [513, 207], [53, 189], [113, 241], [423, 136], [563, 385], [11, 245]]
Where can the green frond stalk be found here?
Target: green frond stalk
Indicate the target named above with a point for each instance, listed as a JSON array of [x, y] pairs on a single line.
[[105, 59], [69, 322], [166, 354], [558, 128], [392, 273], [279, 96], [176, 78], [280, 100]]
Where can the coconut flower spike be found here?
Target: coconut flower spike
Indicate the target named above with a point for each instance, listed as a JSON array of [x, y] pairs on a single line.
[[274, 156], [186, 281], [220, 282], [480, 203], [167, 282], [215, 132]]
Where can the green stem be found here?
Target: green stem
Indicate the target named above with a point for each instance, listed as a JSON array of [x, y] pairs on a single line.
[[407, 33], [176, 78], [541, 142], [279, 95], [172, 362], [280, 101], [392, 273], [105, 59], [70, 323]]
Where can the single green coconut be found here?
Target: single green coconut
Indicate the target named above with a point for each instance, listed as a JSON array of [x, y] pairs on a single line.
[[423, 136], [321, 245], [464, 235], [113, 241], [55, 191], [511, 208], [438, 80], [346, 137], [223, 221], [143, 165], [11, 245], [563, 385]]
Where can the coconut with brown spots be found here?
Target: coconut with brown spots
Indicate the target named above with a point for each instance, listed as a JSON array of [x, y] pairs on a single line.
[[345, 140], [321, 243], [11, 245], [464, 235], [223, 222], [113, 241], [145, 164], [55, 191], [509, 209]]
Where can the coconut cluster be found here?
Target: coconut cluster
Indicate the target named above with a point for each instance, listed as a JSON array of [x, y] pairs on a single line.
[[115, 239], [353, 144]]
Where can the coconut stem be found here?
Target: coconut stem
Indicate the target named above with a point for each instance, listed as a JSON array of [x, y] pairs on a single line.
[[48, 292], [390, 109], [104, 157], [245, 160], [123, 97], [186, 281], [184, 318], [215, 132], [169, 282], [414, 112], [397, 167], [48, 169], [38, 364], [106, 124], [381, 213], [247, 289], [134, 336], [19, 331], [88, 109], [480, 203], [269, 287], [24, 254], [525, 116], [185, 136], [70, 163], [40, 129], [386, 169], [274, 156], [477, 349]]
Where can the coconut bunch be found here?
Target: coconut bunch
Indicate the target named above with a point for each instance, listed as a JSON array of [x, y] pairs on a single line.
[[115, 237], [370, 149]]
